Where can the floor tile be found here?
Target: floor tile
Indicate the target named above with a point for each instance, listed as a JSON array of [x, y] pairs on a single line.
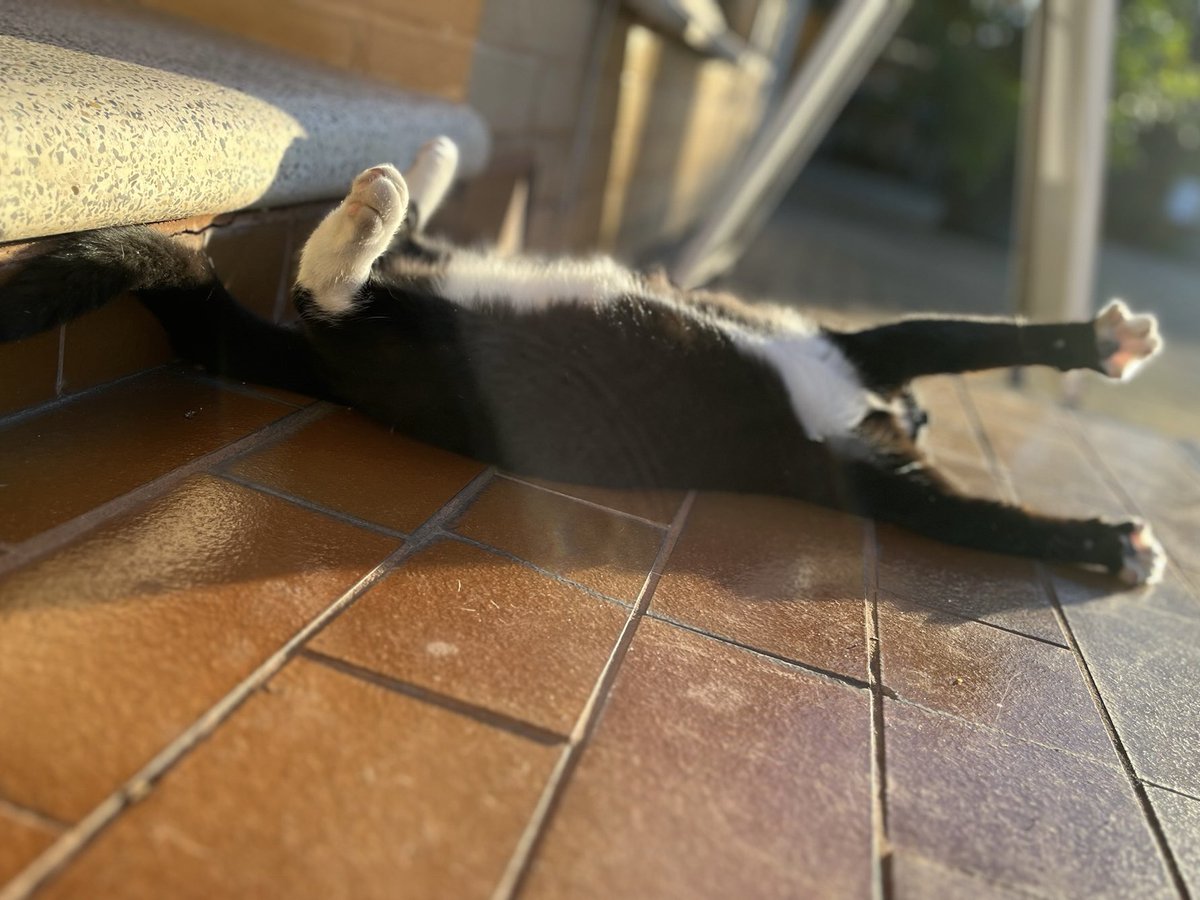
[[251, 259], [990, 677], [610, 553], [657, 506], [1180, 818], [484, 629], [1001, 590], [714, 773], [1145, 665], [351, 464], [28, 371], [119, 339], [21, 840], [113, 645], [777, 575], [916, 878], [71, 458], [294, 797], [972, 476], [1013, 812]]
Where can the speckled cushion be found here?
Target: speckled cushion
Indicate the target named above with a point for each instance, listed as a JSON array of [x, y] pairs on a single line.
[[108, 118]]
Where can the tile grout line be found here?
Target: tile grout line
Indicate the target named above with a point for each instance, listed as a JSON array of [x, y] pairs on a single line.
[[947, 612], [310, 505], [465, 708], [59, 375], [827, 675], [517, 870], [34, 816], [52, 539], [517, 479], [1169, 790], [1149, 816], [29, 412], [135, 788], [881, 857], [554, 576]]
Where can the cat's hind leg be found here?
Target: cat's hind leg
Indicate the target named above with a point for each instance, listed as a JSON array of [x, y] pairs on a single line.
[[897, 483], [429, 179], [1115, 343], [337, 258]]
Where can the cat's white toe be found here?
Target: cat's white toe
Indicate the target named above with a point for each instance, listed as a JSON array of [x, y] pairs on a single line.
[[1144, 559], [1126, 341], [379, 190]]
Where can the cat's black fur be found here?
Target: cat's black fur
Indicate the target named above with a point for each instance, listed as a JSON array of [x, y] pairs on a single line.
[[644, 389]]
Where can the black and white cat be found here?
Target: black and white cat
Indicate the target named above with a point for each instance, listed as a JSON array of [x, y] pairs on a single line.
[[581, 370]]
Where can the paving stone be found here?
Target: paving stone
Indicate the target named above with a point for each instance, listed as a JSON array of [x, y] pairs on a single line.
[[610, 553], [22, 838], [295, 797], [1145, 664], [1180, 818], [351, 464], [113, 645], [71, 458], [1000, 590], [714, 773], [916, 878], [28, 370], [484, 629], [1015, 813], [774, 574], [1026, 688]]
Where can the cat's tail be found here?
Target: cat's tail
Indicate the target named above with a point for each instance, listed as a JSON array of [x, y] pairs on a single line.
[[204, 323], [83, 272]]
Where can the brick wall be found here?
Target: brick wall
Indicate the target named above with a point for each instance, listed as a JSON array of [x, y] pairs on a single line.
[[609, 134], [415, 44]]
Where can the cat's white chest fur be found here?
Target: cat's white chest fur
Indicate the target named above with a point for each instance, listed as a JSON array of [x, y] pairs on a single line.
[[825, 391]]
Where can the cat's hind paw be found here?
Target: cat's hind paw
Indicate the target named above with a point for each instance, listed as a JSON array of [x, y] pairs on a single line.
[[1125, 341], [1142, 555], [379, 190]]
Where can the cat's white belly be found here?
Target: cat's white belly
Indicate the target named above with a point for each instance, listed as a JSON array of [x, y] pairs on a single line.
[[472, 279], [825, 391]]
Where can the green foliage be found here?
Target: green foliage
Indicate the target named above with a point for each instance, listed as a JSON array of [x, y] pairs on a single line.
[[1156, 76]]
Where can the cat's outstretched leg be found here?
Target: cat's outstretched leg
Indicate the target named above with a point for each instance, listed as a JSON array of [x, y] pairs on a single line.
[[1116, 343], [429, 179], [904, 488], [337, 258]]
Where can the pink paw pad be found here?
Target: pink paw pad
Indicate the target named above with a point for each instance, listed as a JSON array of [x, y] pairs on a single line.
[[1125, 340]]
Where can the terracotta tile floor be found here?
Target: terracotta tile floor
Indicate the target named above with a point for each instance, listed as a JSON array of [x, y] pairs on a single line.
[[254, 647]]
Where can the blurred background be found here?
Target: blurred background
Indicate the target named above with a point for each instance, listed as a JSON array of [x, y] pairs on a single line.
[[866, 157]]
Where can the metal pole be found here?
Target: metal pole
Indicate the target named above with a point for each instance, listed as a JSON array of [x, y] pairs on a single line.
[[851, 41]]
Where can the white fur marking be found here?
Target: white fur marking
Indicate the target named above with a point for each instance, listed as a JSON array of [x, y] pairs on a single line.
[[825, 391], [430, 176], [473, 279]]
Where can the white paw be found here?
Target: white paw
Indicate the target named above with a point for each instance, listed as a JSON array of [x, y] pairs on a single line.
[[1125, 340], [431, 174], [441, 151], [1143, 556]]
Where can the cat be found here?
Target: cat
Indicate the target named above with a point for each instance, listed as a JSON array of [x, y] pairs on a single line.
[[581, 370]]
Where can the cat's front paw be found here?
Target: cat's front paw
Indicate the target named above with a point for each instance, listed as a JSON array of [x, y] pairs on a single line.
[[1143, 559], [380, 193], [1125, 341]]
